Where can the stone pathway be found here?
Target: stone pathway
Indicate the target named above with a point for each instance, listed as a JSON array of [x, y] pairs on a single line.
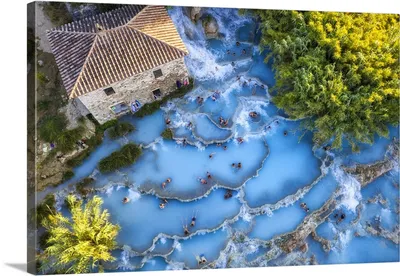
[[42, 25]]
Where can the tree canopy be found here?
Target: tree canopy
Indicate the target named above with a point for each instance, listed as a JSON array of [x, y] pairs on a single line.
[[79, 244], [338, 71]]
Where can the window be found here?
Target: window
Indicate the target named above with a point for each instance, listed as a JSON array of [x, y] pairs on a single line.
[[157, 93], [157, 73], [109, 91]]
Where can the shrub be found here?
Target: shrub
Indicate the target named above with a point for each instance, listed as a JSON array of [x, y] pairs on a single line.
[[120, 129], [66, 140], [51, 127], [57, 13], [127, 155], [68, 175], [45, 208], [167, 134]]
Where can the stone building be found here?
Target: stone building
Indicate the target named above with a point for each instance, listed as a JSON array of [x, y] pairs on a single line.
[[115, 62]]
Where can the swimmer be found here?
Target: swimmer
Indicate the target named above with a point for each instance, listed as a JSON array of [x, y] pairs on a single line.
[[219, 144], [233, 165], [163, 185], [125, 200], [186, 231], [163, 203], [213, 98], [243, 51], [189, 125], [167, 121], [211, 155], [209, 175], [228, 194], [285, 133], [184, 142], [203, 259], [228, 52], [225, 147], [277, 122], [239, 165], [169, 180], [253, 114], [240, 140], [233, 64], [237, 43], [262, 86], [226, 122], [193, 222], [234, 54]]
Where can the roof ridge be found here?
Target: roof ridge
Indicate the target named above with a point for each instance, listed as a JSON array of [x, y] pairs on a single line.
[[71, 95], [163, 42]]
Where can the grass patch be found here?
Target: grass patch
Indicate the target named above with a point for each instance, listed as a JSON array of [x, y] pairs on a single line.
[[167, 134], [57, 13], [42, 78], [152, 107], [120, 129], [127, 155]]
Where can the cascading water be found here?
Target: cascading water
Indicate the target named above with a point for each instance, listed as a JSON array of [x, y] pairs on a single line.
[[280, 169]]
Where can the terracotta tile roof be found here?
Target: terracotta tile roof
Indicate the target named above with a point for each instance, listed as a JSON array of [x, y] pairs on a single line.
[[133, 39], [163, 28]]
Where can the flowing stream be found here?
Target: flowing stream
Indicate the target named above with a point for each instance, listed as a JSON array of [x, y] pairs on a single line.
[[280, 169]]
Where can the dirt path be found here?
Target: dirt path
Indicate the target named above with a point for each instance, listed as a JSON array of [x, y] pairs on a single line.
[[42, 25]]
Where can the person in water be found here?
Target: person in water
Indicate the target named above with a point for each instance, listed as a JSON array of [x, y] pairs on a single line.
[[228, 52], [237, 43], [211, 155], [303, 205], [233, 165], [285, 133], [225, 147], [169, 180], [219, 144], [125, 200], [239, 165], [243, 51], [240, 140], [163, 185], [253, 114], [167, 121], [209, 175], [189, 125], [163, 203], [184, 142], [228, 194], [193, 222], [186, 230], [203, 259]]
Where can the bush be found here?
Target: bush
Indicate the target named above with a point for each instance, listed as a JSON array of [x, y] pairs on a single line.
[[120, 129], [57, 13], [45, 208], [68, 175], [167, 134], [127, 155], [150, 108], [51, 128], [65, 142]]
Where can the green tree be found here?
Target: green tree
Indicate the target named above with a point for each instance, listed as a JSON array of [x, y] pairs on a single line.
[[338, 71], [82, 243]]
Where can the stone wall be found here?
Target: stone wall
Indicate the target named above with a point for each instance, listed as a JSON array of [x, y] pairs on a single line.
[[138, 87]]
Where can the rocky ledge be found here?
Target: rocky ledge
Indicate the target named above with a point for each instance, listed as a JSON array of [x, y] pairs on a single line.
[[366, 173]]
